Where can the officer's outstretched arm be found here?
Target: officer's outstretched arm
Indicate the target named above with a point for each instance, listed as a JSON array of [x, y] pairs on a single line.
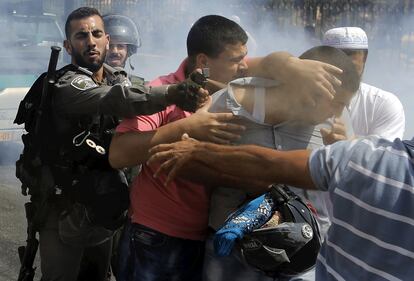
[[132, 101], [85, 97], [81, 96]]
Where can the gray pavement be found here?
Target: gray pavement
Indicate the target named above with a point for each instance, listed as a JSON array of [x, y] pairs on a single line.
[[12, 225]]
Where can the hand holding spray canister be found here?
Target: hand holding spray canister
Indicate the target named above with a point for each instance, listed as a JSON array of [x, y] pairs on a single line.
[[212, 86]]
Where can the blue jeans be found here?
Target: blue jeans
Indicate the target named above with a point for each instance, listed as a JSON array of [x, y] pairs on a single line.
[[154, 256]]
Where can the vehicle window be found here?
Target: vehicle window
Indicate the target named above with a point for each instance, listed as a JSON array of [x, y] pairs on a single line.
[[37, 32], [25, 46]]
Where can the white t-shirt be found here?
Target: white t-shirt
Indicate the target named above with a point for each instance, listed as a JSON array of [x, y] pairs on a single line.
[[376, 112]]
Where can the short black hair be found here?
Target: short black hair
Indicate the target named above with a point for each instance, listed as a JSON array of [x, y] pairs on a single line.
[[210, 35], [349, 77], [80, 13]]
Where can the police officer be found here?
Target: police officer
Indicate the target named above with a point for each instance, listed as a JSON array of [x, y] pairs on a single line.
[[89, 197], [124, 42]]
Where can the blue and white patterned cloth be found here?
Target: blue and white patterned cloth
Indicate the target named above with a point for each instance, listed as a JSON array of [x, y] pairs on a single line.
[[250, 216]]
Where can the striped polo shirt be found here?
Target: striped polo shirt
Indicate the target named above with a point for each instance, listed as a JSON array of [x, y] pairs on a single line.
[[371, 184]]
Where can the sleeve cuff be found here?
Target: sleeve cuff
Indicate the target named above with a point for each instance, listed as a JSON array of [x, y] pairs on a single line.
[[315, 168], [158, 94]]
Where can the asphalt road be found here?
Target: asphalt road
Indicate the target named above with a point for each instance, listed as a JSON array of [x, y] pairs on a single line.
[[12, 225]]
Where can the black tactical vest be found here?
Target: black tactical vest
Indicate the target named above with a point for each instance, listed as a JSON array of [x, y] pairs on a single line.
[[77, 155]]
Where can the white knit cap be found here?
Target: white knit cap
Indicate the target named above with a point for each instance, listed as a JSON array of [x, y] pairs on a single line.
[[346, 38]]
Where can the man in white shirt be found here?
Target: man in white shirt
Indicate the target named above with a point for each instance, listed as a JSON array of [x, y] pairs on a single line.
[[372, 110]]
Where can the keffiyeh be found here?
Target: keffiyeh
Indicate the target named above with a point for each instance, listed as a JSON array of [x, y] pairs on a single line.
[[250, 216]]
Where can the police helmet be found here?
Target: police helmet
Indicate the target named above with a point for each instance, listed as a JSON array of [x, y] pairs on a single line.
[[289, 248], [122, 30]]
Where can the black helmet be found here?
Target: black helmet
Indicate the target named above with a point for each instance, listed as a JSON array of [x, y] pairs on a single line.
[[122, 30], [289, 248]]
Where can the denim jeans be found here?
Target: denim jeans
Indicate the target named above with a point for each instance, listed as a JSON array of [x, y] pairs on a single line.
[[126, 269], [154, 256]]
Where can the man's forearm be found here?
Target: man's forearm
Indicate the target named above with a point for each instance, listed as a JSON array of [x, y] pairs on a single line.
[[213, 177], [131, 148], [252, 163], [271, 66]]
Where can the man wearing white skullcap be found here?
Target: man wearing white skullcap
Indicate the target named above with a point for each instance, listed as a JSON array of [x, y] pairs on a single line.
[[372, 110]]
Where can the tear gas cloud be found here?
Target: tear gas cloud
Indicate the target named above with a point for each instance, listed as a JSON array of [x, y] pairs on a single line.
[[388, 66], [164, 28]]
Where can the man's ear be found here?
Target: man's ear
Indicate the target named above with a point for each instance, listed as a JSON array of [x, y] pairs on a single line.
[[202, 60], [67, 46], [109, 40]]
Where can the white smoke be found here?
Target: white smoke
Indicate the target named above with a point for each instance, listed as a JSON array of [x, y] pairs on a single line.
[[165, 47], [164, 26]]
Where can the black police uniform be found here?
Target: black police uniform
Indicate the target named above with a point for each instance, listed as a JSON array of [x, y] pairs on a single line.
[[77, 93], [136, 80], [81, 109]]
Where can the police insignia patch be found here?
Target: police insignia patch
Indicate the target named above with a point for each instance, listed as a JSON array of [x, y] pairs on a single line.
[[83, 83]]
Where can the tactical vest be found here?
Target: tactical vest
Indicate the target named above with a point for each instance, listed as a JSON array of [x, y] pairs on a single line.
[[136, 80], [77, 156]]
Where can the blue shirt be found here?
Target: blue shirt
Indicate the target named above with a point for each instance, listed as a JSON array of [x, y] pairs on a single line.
[[371, 184]]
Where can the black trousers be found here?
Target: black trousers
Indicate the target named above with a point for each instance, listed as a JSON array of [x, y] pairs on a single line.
[[64, 262]]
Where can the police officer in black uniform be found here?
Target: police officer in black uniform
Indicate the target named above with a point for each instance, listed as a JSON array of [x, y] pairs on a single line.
[[124, 42], [88, 198]]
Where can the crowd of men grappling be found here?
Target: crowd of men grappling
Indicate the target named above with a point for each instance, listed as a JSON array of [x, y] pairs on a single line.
[[237, 168]]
